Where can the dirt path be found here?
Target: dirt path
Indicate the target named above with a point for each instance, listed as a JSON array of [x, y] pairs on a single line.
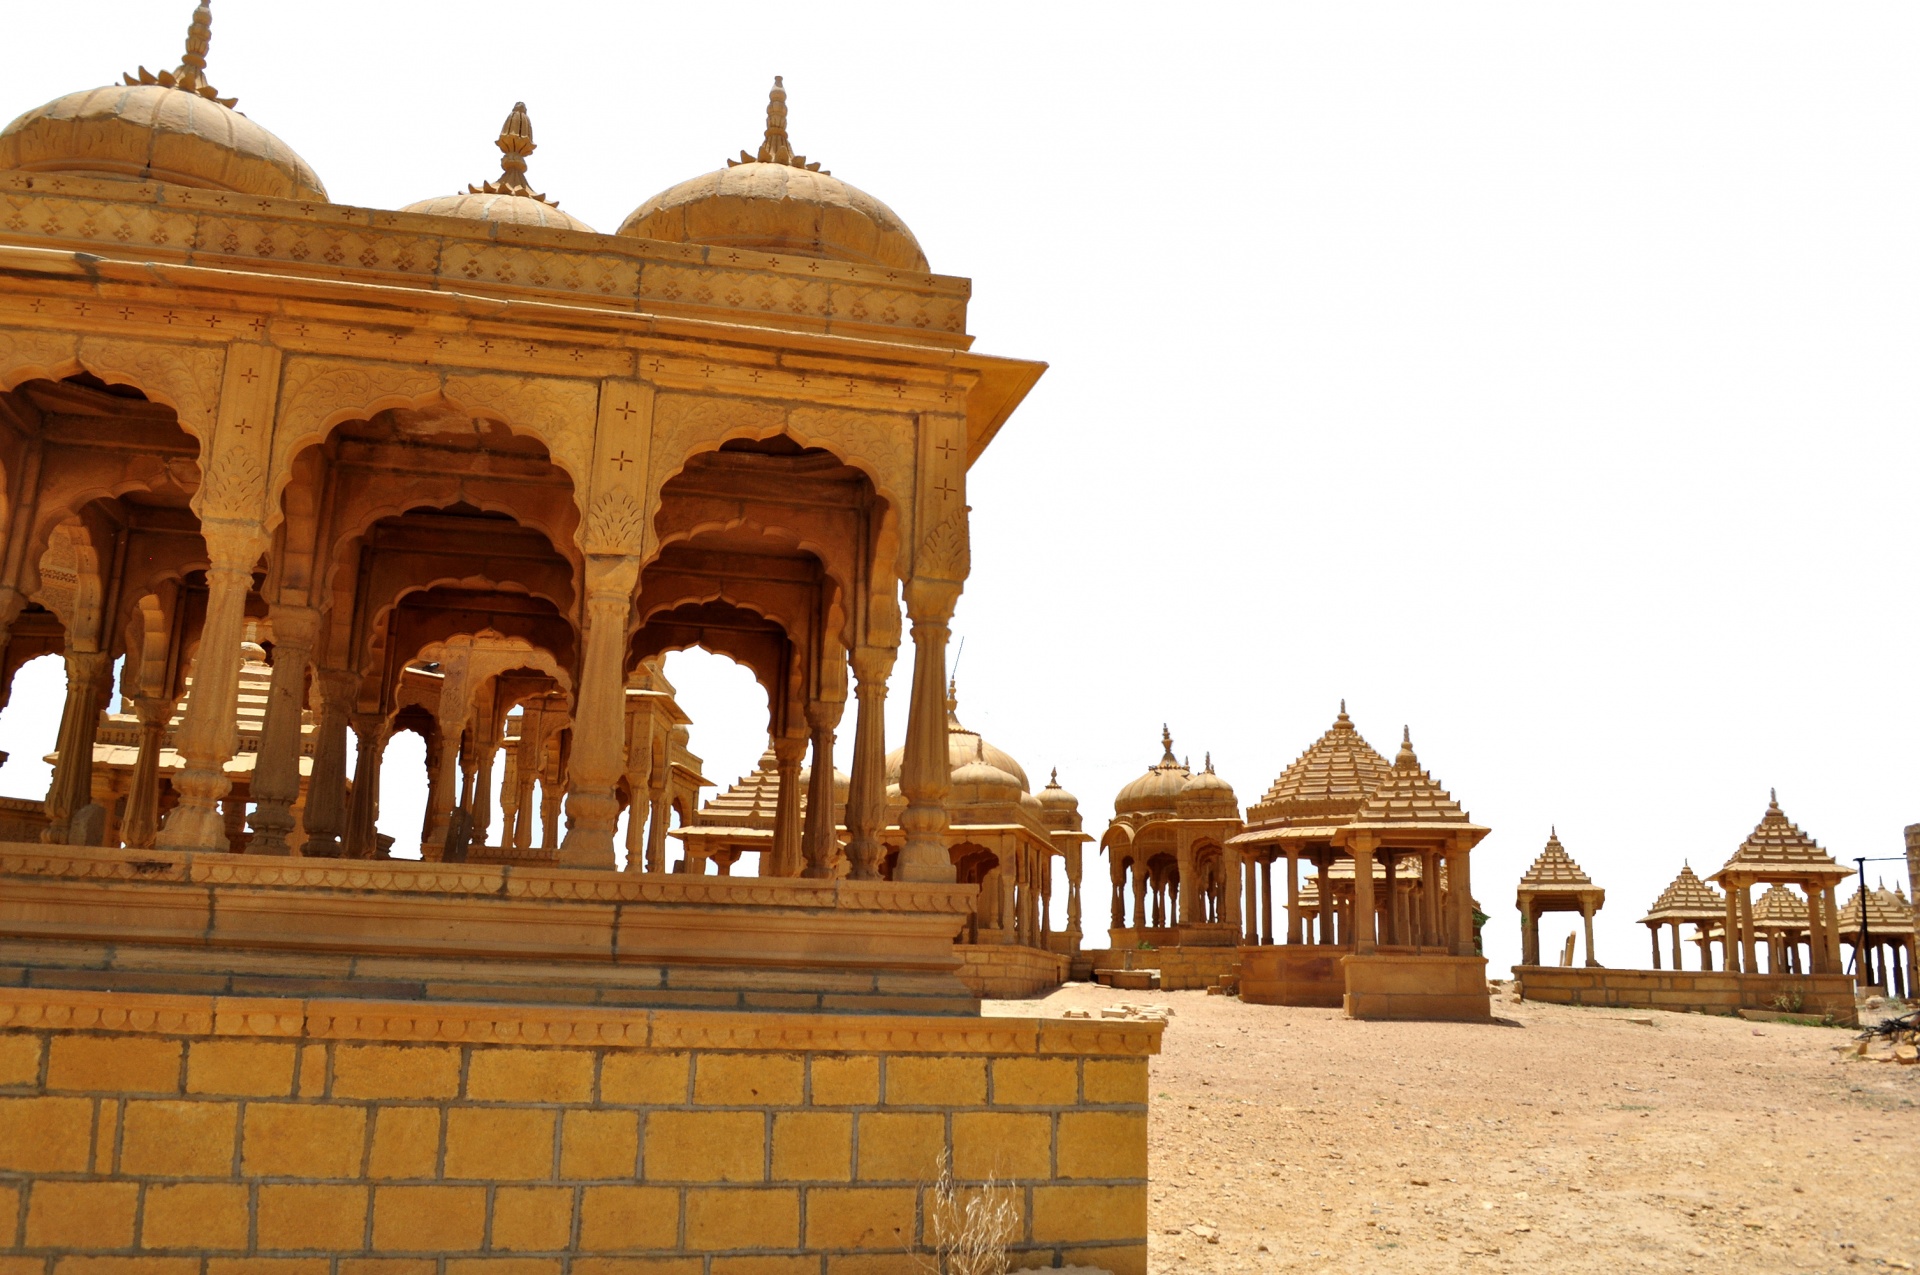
[[1563, 1140]]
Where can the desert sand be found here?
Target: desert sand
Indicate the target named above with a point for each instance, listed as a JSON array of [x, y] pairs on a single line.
[[1556, 1139]]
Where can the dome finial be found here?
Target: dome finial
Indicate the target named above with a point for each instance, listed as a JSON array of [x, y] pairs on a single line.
[[1773, 798], [1209, 761], [778, 147], [191, 75], [1343, 706], [515, 143], [1166, 746], [1406, 760]]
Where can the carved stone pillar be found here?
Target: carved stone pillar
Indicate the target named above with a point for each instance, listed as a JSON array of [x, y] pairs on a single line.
[[818, 836], [659, 814], [1586, 914], [276, 769], [142, 821], [1459, 881], [332, 700], [72, 786], [209, 732], [1749, 955], [787, 754], [925, 776], [526, 770], [486, 738], [1296, 923], [1831, 927], [1073, 857], [867, 785], [370, 739], [599, 724]]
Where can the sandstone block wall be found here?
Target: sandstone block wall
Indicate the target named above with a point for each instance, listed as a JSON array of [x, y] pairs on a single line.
[[1699, 991], [1008, 972], [145, 1133]]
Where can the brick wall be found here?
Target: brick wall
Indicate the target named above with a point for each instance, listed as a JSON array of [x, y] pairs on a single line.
[[1704, 991], [1007, 972], [144, 1132]]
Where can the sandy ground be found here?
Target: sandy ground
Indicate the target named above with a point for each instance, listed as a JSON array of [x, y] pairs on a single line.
[[1557, 1139]]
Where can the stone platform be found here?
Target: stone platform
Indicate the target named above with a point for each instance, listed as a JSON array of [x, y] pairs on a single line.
[[1293, 974], [214, 924], [1409, 986], [1697, 991], [1009, 971]]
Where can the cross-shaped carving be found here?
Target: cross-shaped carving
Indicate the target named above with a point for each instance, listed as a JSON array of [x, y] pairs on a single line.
[[657, 366], [946, 489], [249, 376], [946, 449], [706, 369], [243, 426], [126, 312], [36, 305], [171, 318], [486, 347], [213, 321], [84, 308], [626, 411], [258, 324], [621, 461]]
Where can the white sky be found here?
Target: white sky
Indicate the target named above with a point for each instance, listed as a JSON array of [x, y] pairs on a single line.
[[1540, 376]]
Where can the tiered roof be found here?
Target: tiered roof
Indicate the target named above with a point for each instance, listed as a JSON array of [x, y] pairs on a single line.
[[1779, 851], [1687, 899], [1555, 873], [748, 806], [1409, 800], [1327, 784], [1888, 915], [1778, 909]]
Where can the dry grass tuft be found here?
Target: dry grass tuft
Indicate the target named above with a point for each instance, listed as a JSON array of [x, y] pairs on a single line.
[[968, 1231]]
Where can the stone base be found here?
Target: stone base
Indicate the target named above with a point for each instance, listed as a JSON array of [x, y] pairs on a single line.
[[1395, 985], [206, 923], [253, 1128], [1180, 968], [1009, 971], [1293, 974], [1697, 991]]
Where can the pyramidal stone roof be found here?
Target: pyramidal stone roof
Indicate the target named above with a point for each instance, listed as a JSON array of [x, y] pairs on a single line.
[[1887, 915], [1329, 781], [1779, 909], [1554, 869], [1687, 899], [1408, 799], [751, 801], [1778, 848]]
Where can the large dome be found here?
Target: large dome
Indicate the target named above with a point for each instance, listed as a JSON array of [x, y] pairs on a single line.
[[171, 127], [1159, 789], [777, 202], [974, 763], [508, 198]]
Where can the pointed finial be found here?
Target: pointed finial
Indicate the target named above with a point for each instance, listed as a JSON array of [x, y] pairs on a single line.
[[1166, 746], [1553, 832], [1406, 760], [953, 706], [515, 143], [1054, 781], [1773, 797], [1209, 761], [1343, 706], [777, 148], [1406, 737], [191, 75]]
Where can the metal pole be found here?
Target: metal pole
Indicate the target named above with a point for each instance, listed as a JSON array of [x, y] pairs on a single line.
[[1860, 960]]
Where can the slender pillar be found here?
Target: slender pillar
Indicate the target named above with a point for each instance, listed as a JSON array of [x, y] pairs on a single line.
[[818, 839], [1324, 885], [1586, 915], [526, 771], [326, 815], [1749, 954], [276, 769], [788, 752], [363, 811], [867, 785], [209, 732], [1830, 915], [553, 786], [1249, 901], [72, 785], [925, 778], [1730, 940], [142, 819], [659, 813], [1139, 897], [486, 740], [1294, 920], [1073, 856], [599, 724]]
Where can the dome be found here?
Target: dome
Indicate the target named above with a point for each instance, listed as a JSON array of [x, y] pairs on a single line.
[[508, 198], [985, 765], [1156, 790], [1054, 797], [778, 202], [171, 127], [1207, 787], [841, 782]]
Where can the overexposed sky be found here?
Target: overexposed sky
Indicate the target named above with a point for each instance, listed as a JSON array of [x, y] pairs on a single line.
[[1539, 376]]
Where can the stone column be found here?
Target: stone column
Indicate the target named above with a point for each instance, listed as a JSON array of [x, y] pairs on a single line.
[[1117, 905], [209, 732], [1295, 922], [1706, 949], [1139, 896], [1653, 932], [1249, 901], [925, 778], [276, 768], [659, 814], [1324, 884], [142, 820], [526, 770], [1676, 946], [819, 841], [1460, 883], [867, 785], [1830, 916], [486, 742], [1586, 915], [1073, 858], [1749, 955], [326, 817], [599, 723], [787, 841], [509, 794], [72, 785], [1364, 920], [1529, 933], [363, 811], [1730, 940]]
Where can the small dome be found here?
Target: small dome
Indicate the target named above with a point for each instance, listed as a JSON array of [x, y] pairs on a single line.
[[508, 198], [1158, 789], [1207, 786], [1054, 797], [172, 127], [841, 782], [778, 202], [966, 749]]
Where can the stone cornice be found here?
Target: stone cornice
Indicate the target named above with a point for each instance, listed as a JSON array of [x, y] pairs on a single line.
[[312, 239], [161, 1014]]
